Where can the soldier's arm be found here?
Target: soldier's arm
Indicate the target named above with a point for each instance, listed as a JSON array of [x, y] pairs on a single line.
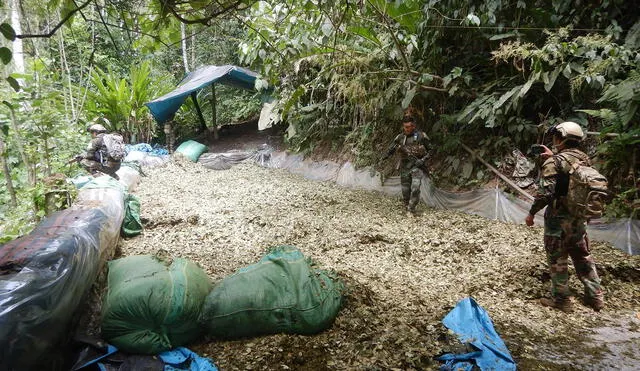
[[92, 148], [426, 142], [392, 148], [546, 192]]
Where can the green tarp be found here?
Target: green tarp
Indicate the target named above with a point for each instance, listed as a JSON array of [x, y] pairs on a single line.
[[282, 293], [192, 149], [152, 305], [131, 225]]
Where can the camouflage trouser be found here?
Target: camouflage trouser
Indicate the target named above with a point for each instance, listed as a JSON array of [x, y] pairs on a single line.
[[94, 166], [410, 181], [572, 243]]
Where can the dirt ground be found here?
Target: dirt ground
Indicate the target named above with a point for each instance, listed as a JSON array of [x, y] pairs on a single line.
[[403, 274]]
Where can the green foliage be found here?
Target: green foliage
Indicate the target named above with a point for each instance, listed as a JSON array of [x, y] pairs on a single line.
[[7, 31], [5, 55], [347, 70], [232, 105], [600, 75], [16, 223], [624, 204], [121, 100], [341, 81], [95, 66], [40, 140]]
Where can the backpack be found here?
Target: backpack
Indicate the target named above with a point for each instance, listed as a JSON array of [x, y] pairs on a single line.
[[587, 191], [115, 146]]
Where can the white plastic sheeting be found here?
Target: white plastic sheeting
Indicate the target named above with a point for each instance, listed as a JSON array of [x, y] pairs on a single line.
[[129, 177], [267, 116], [623, 234], [491, 204], [223, 161], [146, 159]]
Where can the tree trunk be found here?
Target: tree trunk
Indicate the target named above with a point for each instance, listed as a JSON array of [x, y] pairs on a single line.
[[67, 71], [170, 136], [83, 97], [47, 156], [193, 47], [18, 54], [183, 35], [7, 175], [203, 125]]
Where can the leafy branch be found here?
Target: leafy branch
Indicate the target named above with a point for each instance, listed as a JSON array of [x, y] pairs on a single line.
[[57, 26]]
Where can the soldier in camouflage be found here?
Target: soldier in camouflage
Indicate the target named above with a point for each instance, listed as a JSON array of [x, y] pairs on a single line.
[[564, 234], [413, 146], [96, 159]]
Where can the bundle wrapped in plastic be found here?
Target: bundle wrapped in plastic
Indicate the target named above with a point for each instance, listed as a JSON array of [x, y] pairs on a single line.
[[223, 161], [153, 305], [191, 149], [146, 159], [45, 275], [282, 293]]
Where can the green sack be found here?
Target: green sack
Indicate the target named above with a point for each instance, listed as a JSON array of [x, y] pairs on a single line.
[[131, 224], [151, 305], [280, 293], [192, 149]]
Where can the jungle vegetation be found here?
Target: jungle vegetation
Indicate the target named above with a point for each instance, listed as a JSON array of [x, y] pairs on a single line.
[[490, 74]]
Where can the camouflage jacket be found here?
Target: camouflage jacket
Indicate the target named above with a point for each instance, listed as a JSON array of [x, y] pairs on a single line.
[[553, 186], [411, 147], [97, 150]]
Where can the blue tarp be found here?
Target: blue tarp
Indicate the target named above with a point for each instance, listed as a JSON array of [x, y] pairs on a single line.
[[472, 325], [164, 107], [145, 147], [182, 358], [178, 359]]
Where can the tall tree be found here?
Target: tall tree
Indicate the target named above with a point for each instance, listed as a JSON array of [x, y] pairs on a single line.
[[18, 50], [183, 43]]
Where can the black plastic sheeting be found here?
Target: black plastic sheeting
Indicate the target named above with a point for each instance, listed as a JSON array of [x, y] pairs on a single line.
[[43, 278]]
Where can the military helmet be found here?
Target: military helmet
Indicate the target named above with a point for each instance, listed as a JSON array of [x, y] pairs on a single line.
[[568, 130], [96, 128]]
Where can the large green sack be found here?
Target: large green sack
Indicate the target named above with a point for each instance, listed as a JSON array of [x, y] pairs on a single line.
[[282, 293], [151, 305], [131, 224], [192, 149]]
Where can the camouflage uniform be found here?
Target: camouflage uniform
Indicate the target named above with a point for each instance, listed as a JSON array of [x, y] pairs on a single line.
[[96, 158], [412, 148], [565, 235]]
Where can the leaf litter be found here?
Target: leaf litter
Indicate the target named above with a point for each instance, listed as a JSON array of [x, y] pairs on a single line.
[[403, 274]]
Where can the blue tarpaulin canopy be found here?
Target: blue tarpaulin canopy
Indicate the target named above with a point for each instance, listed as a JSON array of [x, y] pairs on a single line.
[[164, 107]]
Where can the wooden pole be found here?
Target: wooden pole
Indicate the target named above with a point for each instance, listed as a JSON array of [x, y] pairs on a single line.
[[170, 136], [214, 112], [611, 135], [507, 180], [203, 125]]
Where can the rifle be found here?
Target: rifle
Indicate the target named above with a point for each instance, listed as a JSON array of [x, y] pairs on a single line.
[[77, 158]]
